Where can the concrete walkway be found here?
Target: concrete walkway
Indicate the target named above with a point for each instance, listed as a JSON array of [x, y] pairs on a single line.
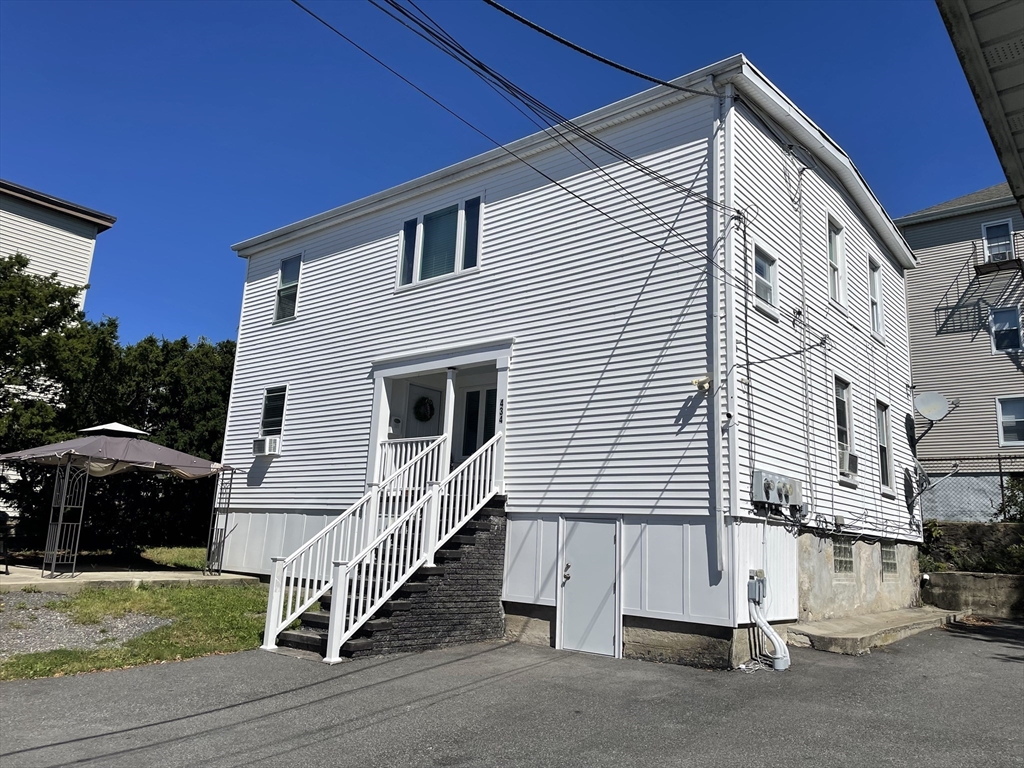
[[947, 698], [23, 576], [855, 635]]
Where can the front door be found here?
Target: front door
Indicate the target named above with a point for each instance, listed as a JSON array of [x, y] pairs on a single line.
[[589, 610], [424, 416]]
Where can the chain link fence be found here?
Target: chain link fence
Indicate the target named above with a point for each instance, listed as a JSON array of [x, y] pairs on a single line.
[[981, 489]]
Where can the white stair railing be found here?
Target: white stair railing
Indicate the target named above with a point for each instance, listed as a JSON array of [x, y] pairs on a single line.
[[397, 453], [368, 580], [303, 577]]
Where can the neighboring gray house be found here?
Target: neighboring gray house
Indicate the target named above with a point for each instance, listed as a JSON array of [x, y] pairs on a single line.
[[965, 304], [678, 368], [57, 236]]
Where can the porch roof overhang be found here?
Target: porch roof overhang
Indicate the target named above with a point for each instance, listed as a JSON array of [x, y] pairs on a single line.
[[497, 351]]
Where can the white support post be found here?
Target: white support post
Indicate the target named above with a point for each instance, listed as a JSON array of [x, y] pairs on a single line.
[[433, 520], [274, 602], [379, 418], [339, 604], [449, 423], [500, 418], [377, 527]]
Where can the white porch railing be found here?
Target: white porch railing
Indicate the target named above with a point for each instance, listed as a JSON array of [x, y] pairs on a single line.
[[302, 578], [397, 453], [367, 581]]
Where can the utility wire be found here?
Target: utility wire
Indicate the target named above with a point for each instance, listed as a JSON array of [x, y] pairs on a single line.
[[591, 54], [501, 146], [437, 36]]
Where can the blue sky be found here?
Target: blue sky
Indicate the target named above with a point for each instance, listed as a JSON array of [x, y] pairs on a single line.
[[202, 124]]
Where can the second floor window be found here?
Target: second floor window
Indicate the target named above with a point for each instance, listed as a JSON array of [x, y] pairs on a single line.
[[836, 264], [1005, 326], [875, 286], [884, 445], [1011, 420], [440, 242], [998, 242], [288, 288], [765, 283]]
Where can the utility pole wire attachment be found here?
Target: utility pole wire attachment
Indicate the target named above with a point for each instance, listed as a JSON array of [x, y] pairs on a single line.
[[597, 57]]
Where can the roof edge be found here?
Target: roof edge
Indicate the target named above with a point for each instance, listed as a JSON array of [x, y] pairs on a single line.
[[767, 96], [653, 98], [960, 210], [103, 221]]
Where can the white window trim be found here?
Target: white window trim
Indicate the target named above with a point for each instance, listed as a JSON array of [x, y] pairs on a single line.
[[767, 308], [984, 235], [875, 269], [284, 410], [301, 256], [833, 222], [992, 331], [460, 242], [845, 479], [891, 488], [999, 422]]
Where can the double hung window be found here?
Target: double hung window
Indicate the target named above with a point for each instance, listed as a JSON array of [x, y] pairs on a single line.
[[836, 263], [288, 288], [998, 241], [1011, 420], [273, 411], [884, 445], [765, 278], [844, 427], [875, 290], [440, 243], [1005, 326]]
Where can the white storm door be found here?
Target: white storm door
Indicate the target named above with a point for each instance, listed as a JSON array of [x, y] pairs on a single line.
[[424, 416], [587, 594]]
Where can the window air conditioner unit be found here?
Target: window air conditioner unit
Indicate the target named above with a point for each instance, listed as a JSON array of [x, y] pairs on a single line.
[[847, 463], [266, 446]]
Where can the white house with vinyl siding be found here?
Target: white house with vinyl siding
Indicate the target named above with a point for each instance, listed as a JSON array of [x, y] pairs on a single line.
[[631, 355]]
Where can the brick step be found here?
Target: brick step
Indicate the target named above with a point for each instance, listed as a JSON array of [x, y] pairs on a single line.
[[394, 605], [320, 620], [316, 641]]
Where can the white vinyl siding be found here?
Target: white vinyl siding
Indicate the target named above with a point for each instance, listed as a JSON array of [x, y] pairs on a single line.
[[786, 410], [52, 241], [598, 364]]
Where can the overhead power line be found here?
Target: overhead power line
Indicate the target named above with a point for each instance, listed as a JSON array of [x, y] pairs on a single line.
[[597, 57]]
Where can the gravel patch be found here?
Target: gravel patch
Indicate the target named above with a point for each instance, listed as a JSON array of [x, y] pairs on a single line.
[[27, 626]]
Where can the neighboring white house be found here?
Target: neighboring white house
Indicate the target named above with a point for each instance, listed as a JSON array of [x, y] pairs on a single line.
[[643, 351], [55, 235]]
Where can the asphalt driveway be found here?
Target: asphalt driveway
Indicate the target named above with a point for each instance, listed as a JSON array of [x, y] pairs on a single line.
[[952, 697]]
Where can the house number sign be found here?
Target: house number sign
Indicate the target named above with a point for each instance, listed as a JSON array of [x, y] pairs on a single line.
[[501, 411]]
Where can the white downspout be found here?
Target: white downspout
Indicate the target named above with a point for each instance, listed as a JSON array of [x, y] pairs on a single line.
[[730, 310], [715, 398]]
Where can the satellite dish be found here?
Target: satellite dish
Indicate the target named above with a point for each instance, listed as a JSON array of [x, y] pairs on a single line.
[[932, 405]]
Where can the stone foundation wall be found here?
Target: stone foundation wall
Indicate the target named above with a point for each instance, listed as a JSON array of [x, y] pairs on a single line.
[[986, 594], [825, 594], [463, 605], [530, 624]]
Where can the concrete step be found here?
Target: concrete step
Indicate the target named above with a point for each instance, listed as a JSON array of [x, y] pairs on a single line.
[[856, 635]]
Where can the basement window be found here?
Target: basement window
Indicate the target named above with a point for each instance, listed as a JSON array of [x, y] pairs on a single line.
[[842, 554], [889, 566]]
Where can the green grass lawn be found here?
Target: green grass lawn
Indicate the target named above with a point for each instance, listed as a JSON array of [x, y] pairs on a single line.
[[206, 620], [192, 558]]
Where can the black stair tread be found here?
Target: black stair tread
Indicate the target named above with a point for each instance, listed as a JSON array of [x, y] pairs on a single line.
[[358, 644], [430, 570], [449, 554], [413, 587], [462, 538]]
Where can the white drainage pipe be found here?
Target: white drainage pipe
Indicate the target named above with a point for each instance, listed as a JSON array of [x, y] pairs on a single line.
[[756, 589]]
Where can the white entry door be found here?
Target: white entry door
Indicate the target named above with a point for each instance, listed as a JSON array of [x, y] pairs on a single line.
[[424, 416], [589, 609]]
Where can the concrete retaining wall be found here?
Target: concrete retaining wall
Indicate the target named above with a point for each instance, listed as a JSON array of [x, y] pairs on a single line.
[[986, 594]]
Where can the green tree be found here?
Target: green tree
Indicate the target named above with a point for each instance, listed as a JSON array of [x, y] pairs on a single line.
[[61, 372]]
